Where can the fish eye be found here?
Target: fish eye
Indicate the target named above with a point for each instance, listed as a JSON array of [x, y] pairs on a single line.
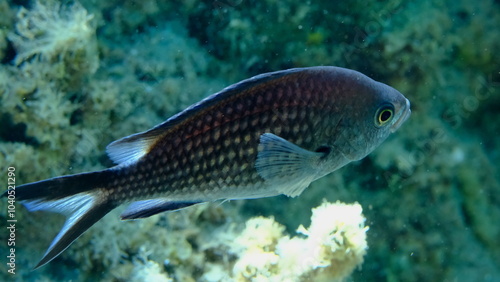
[[384, 114]]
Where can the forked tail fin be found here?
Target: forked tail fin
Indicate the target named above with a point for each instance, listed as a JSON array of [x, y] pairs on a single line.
[[80, 197]]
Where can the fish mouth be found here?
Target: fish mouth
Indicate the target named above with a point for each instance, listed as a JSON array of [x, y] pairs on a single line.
[[405, 114]]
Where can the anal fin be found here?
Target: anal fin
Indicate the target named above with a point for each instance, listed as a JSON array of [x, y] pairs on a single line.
[[147, 208]]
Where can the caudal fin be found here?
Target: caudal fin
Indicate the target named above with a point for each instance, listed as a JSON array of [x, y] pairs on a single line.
[[78, 196]]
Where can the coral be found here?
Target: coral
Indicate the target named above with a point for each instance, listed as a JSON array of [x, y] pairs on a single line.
[[149, 271], [56, 53], [334, 244], [53, 32], [328, 250], [255, 248], [262, 250]]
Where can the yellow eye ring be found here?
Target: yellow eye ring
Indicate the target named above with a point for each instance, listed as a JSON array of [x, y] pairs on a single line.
[[384, 115]]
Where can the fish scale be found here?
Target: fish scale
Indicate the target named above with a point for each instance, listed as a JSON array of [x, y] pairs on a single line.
[[268, 135], [223, 146]]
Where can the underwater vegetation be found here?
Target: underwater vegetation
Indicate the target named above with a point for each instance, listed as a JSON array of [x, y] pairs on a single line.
[[76, 76]]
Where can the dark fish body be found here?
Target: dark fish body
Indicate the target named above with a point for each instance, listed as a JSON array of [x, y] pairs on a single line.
[[268, 135]]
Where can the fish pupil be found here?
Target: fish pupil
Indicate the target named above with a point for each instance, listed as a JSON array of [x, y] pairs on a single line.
[[385, 115]]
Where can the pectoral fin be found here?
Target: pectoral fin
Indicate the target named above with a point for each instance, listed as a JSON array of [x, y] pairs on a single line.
[[285, 165]]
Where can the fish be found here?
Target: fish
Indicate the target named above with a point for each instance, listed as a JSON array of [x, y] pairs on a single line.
[[268, 135]]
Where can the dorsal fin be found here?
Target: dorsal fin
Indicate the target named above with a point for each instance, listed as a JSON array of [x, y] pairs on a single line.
[[131, 148]]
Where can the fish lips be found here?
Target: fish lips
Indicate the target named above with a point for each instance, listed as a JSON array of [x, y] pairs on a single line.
[[405, 114]]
